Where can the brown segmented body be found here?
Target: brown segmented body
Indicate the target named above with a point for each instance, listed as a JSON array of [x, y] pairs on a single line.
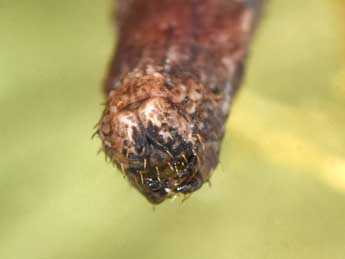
[[169, 89]]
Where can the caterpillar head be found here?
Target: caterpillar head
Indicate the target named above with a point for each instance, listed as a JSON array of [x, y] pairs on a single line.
[[155, 145]]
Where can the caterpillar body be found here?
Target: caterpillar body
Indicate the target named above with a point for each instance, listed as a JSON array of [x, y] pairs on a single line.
[[169, 88]]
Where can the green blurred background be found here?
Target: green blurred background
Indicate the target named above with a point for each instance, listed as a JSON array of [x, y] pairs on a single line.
[[279, 191]]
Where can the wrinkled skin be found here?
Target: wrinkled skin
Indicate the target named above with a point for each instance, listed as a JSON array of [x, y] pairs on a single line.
[[169, 90]]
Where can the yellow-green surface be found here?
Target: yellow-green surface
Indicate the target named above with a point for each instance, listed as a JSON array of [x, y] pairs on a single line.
[[278, 193]]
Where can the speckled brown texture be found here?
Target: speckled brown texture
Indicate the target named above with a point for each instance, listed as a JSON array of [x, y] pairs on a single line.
[[169, 89]]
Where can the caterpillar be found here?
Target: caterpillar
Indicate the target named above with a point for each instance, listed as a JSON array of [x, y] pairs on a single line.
[[169, 88]]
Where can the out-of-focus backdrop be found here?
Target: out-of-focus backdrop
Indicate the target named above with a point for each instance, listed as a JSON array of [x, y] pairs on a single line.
[[279, 191]]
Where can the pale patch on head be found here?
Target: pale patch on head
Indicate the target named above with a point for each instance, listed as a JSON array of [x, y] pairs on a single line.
[[162, 115], [129, 121], [150, 110], [122, 126]]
